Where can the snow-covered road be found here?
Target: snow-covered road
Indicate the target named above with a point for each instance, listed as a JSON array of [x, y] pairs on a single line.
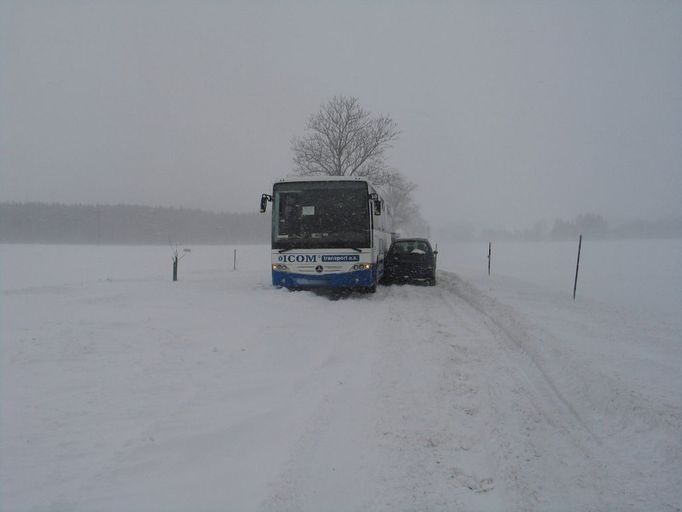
[[222, 393]]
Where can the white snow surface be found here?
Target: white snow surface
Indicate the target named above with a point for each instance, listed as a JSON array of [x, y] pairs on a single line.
[[121, 390]]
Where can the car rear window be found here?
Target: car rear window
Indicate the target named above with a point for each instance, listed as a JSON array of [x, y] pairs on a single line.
[[411, 247]]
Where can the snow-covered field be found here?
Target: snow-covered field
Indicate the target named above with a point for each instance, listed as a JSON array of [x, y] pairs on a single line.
[[120, 390]]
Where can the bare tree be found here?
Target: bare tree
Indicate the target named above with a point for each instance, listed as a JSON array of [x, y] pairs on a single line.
[[343, 139], [407, 218], [398, 194]]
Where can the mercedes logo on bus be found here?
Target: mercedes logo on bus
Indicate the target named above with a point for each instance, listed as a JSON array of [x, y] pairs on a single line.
[[319, 269]]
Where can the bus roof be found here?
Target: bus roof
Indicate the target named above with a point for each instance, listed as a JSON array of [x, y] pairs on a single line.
[[300, 179], [322, 178]]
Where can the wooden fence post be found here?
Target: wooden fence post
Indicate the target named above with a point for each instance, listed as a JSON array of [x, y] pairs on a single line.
[[490, 253]]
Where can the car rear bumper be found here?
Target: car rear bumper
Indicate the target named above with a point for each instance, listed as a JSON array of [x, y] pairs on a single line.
[[408, 273]]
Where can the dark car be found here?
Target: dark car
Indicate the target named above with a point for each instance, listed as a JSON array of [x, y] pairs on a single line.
[[411, 259]]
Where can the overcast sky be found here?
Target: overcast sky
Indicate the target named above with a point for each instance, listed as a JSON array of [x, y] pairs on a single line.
[[510, 111]]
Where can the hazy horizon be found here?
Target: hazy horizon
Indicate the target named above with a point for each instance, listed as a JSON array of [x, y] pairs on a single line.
[[511, 113]]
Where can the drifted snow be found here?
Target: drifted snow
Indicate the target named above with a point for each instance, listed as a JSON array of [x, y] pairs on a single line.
[[121, 390]]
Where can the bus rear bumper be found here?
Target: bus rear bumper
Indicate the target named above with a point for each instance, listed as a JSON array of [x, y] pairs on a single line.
[[357, 279]]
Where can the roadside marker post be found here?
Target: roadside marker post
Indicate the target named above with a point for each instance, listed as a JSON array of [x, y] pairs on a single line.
[[490, 253], [577, 266]]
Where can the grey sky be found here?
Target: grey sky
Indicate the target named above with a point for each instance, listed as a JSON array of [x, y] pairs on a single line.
[[510, 111]]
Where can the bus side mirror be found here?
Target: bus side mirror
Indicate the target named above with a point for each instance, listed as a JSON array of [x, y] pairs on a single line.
[[264, 202], [374, 197]]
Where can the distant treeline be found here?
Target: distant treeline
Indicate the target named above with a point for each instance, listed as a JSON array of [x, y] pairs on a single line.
[[591, 225], [127, 224]]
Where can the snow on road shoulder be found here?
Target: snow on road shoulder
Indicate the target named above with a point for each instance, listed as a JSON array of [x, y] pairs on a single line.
[[610, 376]]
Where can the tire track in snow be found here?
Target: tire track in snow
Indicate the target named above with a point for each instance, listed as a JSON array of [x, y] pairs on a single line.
[[548, 450], [407, 431], [445, 405], [509, 328], [447, 431]]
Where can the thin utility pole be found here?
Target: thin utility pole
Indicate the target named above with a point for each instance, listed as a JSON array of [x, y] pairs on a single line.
[[577, 266]]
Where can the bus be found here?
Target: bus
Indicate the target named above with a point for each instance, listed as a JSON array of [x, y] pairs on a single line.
[[328, 232]]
